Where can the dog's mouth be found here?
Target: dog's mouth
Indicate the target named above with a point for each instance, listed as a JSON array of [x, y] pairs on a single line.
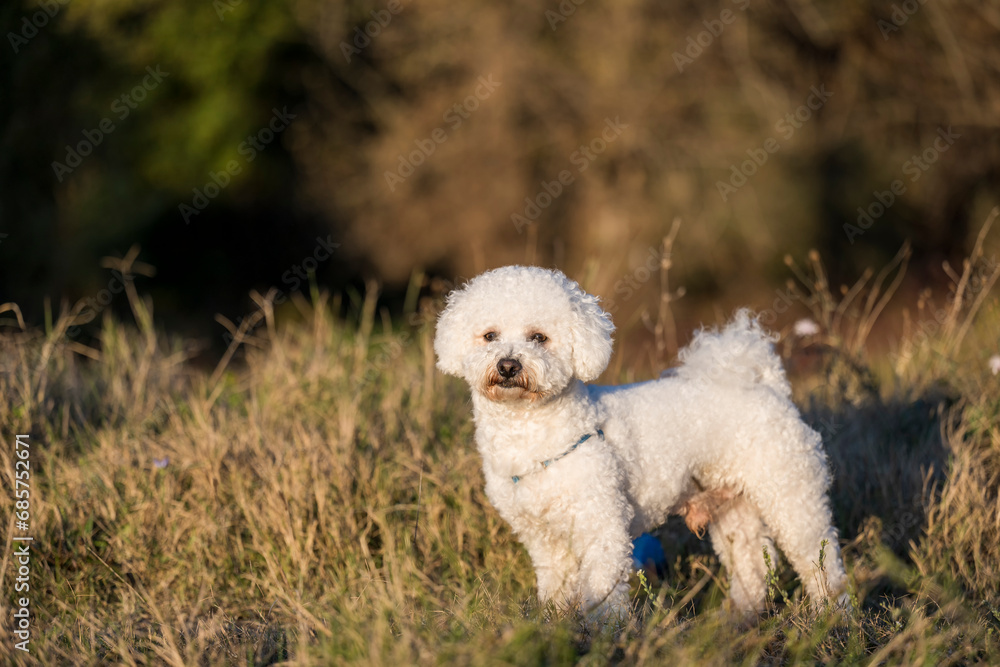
[[520, 387]]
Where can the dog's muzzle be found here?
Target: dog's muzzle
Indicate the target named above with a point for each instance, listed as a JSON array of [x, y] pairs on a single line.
[[508, 379], [508, 368]]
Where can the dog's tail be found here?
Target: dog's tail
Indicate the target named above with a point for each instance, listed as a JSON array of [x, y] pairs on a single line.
[[741, 353]]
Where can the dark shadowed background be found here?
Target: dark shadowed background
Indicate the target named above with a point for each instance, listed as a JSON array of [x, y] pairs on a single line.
[[248, 145]]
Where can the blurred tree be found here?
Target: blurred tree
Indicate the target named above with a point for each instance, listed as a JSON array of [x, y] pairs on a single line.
[[117, 113], [453, 138], [842, 102]]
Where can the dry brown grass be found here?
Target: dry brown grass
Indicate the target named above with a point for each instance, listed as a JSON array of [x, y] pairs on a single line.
[[320, 502]]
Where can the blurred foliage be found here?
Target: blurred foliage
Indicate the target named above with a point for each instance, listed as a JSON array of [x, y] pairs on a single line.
[[212, 78], [699, 89], [562, 79]]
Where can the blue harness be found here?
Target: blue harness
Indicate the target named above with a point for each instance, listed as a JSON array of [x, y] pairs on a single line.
[[545, 464]]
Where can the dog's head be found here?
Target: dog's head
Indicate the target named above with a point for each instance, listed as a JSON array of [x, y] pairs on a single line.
[[522, 333]]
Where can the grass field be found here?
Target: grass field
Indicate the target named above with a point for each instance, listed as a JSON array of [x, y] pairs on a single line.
[[318, 500]]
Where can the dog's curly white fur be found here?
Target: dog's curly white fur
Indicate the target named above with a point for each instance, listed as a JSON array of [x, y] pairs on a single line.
[[579, 470]]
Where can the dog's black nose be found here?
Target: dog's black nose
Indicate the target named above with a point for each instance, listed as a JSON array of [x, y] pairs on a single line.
[[508, 368]]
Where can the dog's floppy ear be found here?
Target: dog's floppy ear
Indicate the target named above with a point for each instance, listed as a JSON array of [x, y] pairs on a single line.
[[451, 337], [592, 331]]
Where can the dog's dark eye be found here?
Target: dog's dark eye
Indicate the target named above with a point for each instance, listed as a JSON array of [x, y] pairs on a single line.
[[490, 336], [538, 337]]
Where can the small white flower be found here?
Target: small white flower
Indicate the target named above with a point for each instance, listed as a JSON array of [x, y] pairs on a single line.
[[161, 463], [805, 327], [994, 364]]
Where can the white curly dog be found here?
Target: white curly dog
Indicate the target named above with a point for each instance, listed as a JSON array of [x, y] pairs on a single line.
[[579, 470]]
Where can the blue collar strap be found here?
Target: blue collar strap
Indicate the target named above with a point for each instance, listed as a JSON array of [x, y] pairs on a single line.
[[545, 464]]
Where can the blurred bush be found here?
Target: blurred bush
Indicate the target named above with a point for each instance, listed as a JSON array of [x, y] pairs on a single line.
[[456, 137], [698, 94]]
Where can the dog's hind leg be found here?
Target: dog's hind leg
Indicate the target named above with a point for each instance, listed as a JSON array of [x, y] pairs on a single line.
[[802, 526], [739, 537]]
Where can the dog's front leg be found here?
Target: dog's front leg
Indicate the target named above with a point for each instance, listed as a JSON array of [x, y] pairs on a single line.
[[557, 572], [605, 556], [583, 565]]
